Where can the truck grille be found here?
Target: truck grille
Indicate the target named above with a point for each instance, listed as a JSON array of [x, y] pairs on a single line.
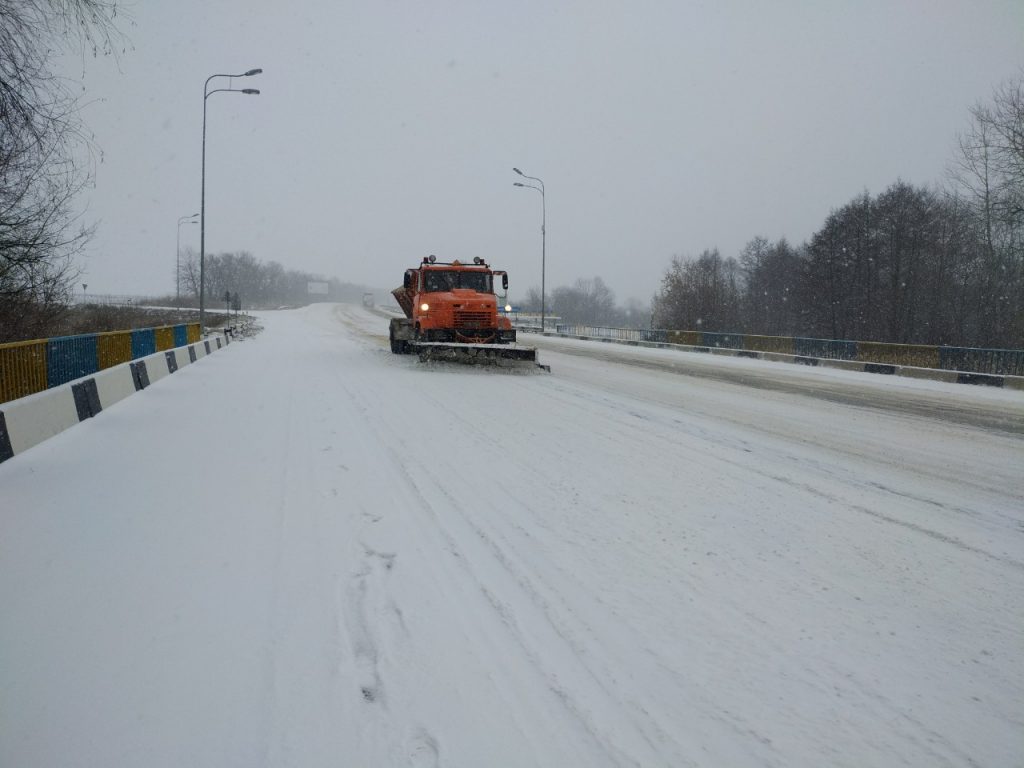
[[473, 320]]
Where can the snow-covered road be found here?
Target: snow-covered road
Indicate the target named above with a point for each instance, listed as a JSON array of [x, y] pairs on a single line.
[[306, 551]]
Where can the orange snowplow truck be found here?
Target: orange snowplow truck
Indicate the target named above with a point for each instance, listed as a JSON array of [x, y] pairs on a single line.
[[451, 313]]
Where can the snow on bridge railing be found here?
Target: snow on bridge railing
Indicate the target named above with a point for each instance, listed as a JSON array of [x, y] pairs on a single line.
[[619, 334]]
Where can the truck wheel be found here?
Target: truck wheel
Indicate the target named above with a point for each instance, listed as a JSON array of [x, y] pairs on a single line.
[[399, 328], [399, 346]]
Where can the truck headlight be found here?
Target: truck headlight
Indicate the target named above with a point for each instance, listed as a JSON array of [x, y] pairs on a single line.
[[508, 307], [424, 307]]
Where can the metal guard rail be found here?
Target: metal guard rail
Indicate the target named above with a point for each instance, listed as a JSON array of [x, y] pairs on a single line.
[[27, 367]]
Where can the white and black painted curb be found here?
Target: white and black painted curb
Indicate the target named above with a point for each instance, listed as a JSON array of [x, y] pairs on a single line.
[[30, 420], [932, 374]]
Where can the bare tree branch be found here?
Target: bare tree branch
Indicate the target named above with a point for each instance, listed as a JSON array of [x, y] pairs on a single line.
[[46, 157]]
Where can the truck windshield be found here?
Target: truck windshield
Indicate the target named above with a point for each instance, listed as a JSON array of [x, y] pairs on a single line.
[[445, 280]]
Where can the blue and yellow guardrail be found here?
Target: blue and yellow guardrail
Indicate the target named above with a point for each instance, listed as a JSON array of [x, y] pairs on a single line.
[[27, 367]]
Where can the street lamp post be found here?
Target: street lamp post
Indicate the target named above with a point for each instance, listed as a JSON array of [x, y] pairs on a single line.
[[202, 200], [543, 237], [177, 256]]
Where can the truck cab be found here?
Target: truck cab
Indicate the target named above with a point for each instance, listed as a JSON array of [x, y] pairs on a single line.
[[453, 302]]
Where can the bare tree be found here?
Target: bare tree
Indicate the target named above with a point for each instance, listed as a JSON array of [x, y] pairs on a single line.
[[532, 302], [950, 312], [188, 275], [772, 273], [989, 171], [41, 165], [700, 294], [1004, 121], [636, 313], [911, 265], [588, 302]]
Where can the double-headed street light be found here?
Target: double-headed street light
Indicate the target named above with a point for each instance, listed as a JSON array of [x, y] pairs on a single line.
[[177, 255], [543, 227], [202, 201]]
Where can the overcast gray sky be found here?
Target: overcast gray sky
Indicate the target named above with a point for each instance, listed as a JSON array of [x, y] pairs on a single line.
[[387, 131]]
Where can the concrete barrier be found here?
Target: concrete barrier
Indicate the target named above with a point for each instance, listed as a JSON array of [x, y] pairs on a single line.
[[932, 374], [156, 367], [30, 420], [115, 384], [38, 417]]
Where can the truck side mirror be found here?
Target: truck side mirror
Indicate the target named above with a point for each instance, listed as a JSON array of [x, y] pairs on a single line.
[[504, 282], [408, 280]]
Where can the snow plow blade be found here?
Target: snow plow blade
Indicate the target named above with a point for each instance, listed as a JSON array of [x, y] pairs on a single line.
[[480, 354]]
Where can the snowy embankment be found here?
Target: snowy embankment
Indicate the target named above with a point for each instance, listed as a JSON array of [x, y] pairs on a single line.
[[309, 552]]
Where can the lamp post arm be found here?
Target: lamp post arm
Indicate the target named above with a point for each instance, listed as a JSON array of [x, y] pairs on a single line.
[[207, 83], [242, 74], [534, 178], [226, 90], [528, 186]]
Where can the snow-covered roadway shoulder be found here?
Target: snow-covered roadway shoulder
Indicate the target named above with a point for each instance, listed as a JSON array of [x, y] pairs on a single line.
[[979, 406], [336, 555]]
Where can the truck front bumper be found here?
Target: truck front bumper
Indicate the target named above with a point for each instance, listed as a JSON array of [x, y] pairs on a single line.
[[469, 335]]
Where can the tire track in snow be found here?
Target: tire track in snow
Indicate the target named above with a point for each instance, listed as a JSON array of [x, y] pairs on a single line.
[[272, 746], [421, 480], [654, 729], [811, 427], [362, 631], [563, 619], [863, 486], [627, 420], [924, 736], [625, 423], [789, 468]]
